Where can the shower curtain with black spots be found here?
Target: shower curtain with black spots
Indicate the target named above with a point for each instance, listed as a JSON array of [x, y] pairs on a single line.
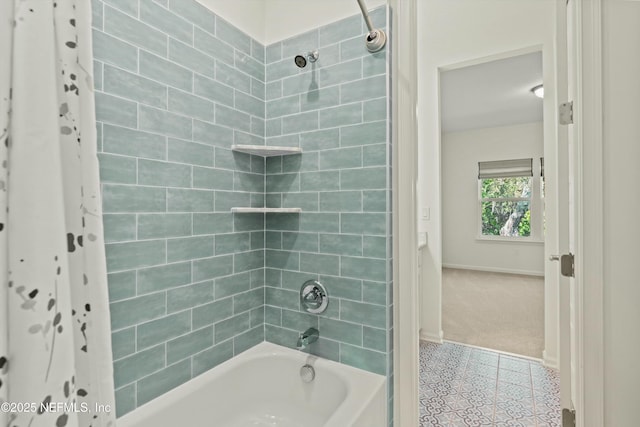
[[55, 350]]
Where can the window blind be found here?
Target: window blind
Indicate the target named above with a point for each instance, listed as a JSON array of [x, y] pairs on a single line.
[[505, 168]]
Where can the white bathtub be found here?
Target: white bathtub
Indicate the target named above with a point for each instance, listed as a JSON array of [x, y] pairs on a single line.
[[262, 388]]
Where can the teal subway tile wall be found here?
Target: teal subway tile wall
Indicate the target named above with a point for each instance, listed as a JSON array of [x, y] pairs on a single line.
[[336, 110], [191, 284], [186, 278]]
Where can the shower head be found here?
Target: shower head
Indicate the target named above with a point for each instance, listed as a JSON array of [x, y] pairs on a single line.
[[301, 60]]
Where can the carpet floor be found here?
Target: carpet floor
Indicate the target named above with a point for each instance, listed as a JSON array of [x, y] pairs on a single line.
[[503, 312]]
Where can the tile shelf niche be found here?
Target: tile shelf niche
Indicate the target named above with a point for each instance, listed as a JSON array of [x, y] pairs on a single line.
[[266, 151]]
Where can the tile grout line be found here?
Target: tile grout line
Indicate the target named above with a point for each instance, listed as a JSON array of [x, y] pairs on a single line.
[[495, 398], [533, 396]]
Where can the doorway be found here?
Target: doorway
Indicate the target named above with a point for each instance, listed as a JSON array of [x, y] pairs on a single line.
[[448, 35], [492, 187], [492, 147]]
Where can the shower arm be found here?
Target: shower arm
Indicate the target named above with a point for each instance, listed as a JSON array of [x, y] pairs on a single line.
[[365, 15]]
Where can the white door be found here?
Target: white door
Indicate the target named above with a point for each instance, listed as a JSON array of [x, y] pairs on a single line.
[[572, 195], [562, 154]]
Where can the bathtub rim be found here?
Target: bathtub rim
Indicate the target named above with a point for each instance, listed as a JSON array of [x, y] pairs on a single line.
[[346, 414]]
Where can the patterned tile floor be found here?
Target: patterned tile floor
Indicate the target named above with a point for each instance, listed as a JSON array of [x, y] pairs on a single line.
[[466, 386]]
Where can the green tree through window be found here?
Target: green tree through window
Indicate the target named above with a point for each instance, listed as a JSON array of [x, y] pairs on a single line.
[[506, 206]]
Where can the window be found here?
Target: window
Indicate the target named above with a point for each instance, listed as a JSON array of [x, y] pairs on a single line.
[[506, 206], [505, 197]]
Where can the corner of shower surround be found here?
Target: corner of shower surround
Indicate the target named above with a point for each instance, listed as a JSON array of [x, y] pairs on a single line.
[[192, 284]]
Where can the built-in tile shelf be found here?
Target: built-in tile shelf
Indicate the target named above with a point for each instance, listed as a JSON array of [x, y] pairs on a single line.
[[266, 210], [266, 150]]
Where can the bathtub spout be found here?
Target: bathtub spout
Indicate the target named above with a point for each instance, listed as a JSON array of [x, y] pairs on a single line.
[[307, 337]]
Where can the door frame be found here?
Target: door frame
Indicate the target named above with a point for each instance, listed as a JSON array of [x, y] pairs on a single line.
[[551, 352], [589, 231], [589, 221], [405, 348]]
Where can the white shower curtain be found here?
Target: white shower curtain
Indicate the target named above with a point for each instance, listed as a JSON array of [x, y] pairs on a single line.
[[55, 345]]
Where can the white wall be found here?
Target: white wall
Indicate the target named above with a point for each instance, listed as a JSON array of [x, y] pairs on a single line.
[[270, 21], [454, 32], [621, 86], [461, 152], [286, 18], [247, 15]]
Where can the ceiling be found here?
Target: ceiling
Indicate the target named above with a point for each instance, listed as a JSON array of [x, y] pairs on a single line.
[[270, 21], [491, 94]]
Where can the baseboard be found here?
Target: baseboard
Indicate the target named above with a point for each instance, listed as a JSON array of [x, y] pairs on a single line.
[[494, 270], [550, 362], [506, 353], [436, 338]]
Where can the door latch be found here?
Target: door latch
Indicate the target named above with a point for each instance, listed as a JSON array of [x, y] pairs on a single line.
[[567, 264]]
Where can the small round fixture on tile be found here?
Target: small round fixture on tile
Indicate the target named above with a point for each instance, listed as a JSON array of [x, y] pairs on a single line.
[[313, 297], [302, 60], [375, 41], [377, 38]]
